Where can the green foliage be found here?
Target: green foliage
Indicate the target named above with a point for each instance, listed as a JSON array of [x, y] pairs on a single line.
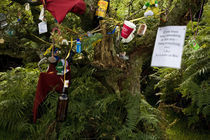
[[17, 88], [189, 86], [93, 112]]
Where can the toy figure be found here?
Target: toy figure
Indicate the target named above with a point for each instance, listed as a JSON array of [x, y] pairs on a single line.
[[152, 8]]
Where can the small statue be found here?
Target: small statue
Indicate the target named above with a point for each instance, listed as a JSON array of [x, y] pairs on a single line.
[[152, 8]]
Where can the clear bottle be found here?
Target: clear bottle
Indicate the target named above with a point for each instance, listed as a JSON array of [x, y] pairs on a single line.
[[78, 46]]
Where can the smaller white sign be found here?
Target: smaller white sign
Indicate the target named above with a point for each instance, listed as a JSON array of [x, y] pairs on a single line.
[[42, 27], [169, 47]]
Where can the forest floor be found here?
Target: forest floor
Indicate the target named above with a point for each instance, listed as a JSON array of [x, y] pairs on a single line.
[[179, 130]]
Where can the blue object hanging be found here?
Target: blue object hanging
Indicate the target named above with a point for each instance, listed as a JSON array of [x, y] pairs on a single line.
[[78, 46], [109, 33]]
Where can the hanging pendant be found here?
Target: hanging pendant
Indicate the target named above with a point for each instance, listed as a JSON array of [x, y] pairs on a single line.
[[194, 44]]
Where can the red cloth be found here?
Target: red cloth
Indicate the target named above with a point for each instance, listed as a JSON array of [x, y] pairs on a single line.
[[48, 81], [59, 8]]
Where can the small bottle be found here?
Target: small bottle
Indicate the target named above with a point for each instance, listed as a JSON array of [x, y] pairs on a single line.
[[78, 46], [102, 8], [62, 106]]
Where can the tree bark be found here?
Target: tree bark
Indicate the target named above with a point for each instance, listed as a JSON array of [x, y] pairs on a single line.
[[129, 77]]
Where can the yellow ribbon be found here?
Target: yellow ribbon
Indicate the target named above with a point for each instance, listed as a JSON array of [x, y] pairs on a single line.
[[48, 50]]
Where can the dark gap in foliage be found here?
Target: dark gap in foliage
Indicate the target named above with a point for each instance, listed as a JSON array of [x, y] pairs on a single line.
[[7, 62]]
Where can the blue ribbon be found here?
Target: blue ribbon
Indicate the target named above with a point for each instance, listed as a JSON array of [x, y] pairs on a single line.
[[110, 33]]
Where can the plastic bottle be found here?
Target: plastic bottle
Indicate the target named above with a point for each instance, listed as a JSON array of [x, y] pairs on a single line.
[[78, 46]]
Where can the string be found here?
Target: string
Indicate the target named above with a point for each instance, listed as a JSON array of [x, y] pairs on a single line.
[[192, 22], [44, 4], [66, 60], [199, 17]]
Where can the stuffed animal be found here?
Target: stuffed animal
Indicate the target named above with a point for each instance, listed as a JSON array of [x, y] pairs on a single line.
[[152, 8]]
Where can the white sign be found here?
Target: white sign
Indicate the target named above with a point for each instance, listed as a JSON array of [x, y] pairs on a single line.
[[42, 27], [169, 47]]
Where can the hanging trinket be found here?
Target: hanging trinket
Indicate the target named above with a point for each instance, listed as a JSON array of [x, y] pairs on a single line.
[[62, 106], [194, 44], [127, 32], [123, 56], [78, 46], [19, 17], [41, 16], [65, 42], [1, 41], [60, 67], [102, 8], [10, 32], [151, 8], [89, 34], [42, 27], [142, 29], [27, 6], [3, 22]]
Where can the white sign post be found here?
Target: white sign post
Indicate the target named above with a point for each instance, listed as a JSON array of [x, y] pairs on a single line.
[[169, 47]]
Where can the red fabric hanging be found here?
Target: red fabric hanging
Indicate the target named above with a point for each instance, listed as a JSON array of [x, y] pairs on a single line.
[[59, 8], [48, 81]]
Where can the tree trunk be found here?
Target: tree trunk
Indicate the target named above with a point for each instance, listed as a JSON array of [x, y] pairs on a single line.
[[128, 78]]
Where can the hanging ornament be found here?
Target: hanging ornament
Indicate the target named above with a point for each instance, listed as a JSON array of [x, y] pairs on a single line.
[[3, 21], [89, 34], [10, 32], [194, 44], [41, 16], [127, 32], [27, 6], [60, 67], [123, 56], [118, 33], [142, 29], [65, 42], [78, 46], [1, 41], [102, 8], [66, 83], [152, 8], [19, 17], [42, 27]]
